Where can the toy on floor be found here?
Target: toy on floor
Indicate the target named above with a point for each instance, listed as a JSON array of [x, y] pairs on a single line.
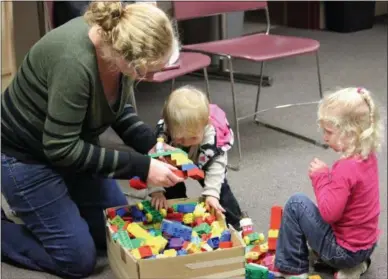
[[178, 158], [260, 254], [182, 229]]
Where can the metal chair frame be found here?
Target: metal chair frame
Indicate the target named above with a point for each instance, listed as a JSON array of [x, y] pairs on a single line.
[[238, 118]]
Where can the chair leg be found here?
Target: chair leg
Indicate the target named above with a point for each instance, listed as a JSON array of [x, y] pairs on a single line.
[[172, 84], [319, 76], [236, 120], [258, 91], [206, 83]]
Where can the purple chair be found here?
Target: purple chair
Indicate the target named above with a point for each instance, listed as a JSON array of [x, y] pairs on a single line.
[[258, 47]]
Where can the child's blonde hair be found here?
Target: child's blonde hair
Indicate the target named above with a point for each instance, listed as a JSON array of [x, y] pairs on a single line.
[[141, 33], [186, 112], [354, 113]]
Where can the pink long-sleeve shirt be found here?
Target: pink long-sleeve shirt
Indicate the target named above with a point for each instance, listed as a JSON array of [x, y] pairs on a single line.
[[348, 199]]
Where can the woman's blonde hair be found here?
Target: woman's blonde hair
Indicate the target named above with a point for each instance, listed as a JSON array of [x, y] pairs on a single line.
[[141, 33], [186, 112], [354, 113]]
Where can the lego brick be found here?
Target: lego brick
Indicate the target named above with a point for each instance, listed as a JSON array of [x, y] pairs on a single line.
[[176, 243], [180, 173], [185, 208], [272, 243], [225, 236], [253, 271], [169, 153], [118, 221], [138, 231], [196, 174], [273, 233], [186, 167], [225, 244], [214, 242], [111, 212], [276, 217], [136, 183]]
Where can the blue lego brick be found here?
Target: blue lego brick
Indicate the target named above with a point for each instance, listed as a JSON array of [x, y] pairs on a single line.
[[121, 212], [181, 252], [214, 242], [185, 208], [187, 167], [138, 215], [225, 236], [176, 229]]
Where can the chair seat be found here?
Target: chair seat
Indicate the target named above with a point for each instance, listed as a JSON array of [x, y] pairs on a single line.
[[189, 62], [258, 47]]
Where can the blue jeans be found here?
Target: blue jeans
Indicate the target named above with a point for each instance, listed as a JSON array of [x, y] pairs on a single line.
[[303, 223], [63, 216]]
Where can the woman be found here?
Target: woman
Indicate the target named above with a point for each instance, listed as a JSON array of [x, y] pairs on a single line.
[[73, 84]]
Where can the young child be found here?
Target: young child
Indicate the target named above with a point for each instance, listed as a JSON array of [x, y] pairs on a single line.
[[343, 227], [202, 130]]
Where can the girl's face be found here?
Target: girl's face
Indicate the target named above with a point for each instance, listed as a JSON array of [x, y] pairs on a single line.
[[332, 136], [188, 141]]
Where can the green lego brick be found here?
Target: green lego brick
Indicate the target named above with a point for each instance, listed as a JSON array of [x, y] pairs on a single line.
[[118, 221], [166, 153], [124, 239], [255, 271], [203, 228]]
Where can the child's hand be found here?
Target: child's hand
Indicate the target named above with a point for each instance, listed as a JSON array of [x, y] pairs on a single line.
[[158, 200], [213, 202], [317, 165]]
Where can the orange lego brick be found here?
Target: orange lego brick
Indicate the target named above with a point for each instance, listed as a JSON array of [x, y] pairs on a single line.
[[225, 244], [196, 174], [145, 251], [276, 217], [170, 161], [272, 243]]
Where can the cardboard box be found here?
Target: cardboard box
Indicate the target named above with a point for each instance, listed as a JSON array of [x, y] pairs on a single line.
[[228, 263]]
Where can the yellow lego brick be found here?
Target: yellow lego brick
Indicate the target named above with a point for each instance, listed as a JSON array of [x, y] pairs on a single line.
[[188, 218], [194, 234], [157, 244], [273, 233], [264, 248], [181, 159], [138, 231], [252, 256], [199, 210], [170, 253], [160, 256], [315, 277]]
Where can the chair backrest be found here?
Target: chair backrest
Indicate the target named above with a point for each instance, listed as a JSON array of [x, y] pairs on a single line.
[[194, 9], [49, 9]]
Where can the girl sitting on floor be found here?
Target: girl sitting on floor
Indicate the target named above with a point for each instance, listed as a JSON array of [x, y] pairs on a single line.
[[343, 227]]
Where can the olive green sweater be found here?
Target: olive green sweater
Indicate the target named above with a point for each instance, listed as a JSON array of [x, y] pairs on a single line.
[[55, 109]]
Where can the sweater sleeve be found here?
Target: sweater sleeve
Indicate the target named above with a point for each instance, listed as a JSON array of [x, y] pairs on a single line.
[[134, 132], [69, 88], [215, 172], [332, 190]]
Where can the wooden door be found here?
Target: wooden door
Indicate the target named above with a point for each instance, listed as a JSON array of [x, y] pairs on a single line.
[[8, 65]]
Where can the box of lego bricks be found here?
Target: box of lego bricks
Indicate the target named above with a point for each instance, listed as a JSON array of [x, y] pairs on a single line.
[[186, 240]]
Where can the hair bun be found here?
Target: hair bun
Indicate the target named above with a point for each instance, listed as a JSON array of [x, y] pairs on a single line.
[[105, 14]]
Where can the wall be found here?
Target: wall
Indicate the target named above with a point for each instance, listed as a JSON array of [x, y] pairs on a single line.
[[381, 8]]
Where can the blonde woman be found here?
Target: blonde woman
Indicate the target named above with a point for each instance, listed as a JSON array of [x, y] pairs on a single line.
[[343, 228], [73, 84]]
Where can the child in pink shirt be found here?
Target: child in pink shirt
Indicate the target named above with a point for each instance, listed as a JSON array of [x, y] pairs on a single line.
[[343, 226]]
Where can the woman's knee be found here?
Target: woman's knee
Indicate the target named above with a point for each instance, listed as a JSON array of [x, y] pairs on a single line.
[[77, 258]]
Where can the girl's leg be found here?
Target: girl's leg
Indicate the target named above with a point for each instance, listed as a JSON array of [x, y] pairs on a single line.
[[302, 222], [54, 238], [229, 202], [176, 192], [92, 195]]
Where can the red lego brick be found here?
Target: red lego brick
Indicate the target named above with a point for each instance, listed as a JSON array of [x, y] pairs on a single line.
[[210, 219], [175, 216], [180, 173], [145, 251], [272, 243], [206, 237], [111, 212], [114, 228], [198, 221], [276, 217], [196, 174], [225, 244], [137, 184], [127, 219]]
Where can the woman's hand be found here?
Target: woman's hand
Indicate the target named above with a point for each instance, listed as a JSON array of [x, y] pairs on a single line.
[[161, 175]]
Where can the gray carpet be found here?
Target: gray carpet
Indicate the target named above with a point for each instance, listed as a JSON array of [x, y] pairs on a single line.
[[275, 165]]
